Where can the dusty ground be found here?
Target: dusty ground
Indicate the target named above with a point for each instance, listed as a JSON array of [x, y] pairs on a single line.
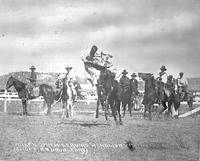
[[84, 137]]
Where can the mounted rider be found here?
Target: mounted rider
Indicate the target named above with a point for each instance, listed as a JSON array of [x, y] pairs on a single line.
[[182, 84], [94, 62], [70, 78], [162, 82], [134, 86], [32, 81], [67, 78], [170, 83], [124, 82]]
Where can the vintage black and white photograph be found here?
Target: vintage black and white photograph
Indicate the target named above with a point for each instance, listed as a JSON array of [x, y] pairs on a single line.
[[99, 80]]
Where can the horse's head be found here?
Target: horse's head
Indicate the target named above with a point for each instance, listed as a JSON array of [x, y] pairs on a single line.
[[145, 76], [9, 82]]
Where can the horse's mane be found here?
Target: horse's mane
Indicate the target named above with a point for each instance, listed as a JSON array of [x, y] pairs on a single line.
[[20, 82]]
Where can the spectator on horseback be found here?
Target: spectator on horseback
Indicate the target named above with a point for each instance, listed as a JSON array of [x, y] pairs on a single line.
[[134, 91], [162, 81], [33, 76], [182, 85], [134, 86], [70, 78], [124, 82], [170, 83], [163, 74], [32, 81]]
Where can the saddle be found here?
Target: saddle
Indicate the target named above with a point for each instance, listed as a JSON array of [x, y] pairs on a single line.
[[33, 90]]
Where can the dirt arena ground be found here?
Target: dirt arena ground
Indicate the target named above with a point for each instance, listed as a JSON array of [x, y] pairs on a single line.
[[83, 137]]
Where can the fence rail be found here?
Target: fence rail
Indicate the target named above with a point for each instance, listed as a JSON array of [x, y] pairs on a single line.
[[13, 96]]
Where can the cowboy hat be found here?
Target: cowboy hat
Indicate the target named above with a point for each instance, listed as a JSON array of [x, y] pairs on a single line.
[[32, 67], [124, 72], [68, 67], [181, 73], [133, 75], [163, 68]]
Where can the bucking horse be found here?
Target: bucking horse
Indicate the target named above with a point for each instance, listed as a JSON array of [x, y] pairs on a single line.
[[44, 90]]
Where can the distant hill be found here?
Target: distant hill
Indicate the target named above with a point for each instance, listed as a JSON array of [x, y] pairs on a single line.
[[47, 78], [194, 84]]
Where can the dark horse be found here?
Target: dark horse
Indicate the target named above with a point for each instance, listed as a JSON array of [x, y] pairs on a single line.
[[150, 96], [108, 94], [44, 90], [125, 97], [149, 93]]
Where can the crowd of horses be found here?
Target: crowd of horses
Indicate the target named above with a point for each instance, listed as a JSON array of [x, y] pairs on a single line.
[[109, 93]]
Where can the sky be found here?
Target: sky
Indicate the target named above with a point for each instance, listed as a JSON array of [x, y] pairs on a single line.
[[141, 35]]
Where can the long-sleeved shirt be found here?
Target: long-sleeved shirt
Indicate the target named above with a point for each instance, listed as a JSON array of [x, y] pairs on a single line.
[[163, 76], [134, 85], [33, 77], [182, 82], [124, 82]]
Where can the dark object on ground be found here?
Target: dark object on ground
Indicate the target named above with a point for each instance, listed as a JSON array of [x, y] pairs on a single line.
[[130, 145]]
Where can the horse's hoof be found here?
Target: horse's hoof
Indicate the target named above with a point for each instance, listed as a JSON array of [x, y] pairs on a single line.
[[120, 123]]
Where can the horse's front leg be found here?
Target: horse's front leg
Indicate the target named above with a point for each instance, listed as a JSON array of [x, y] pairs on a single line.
[[71, 108], [68, 111], [150, 117], [145, 111], [117, 106], [130, 108], [124, 108], [97, 109], [106, 108], [24, 105], [113, 109], [63, 110], [49, 109]]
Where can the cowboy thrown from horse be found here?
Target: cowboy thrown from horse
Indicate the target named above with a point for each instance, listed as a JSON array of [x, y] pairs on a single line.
[[94, 62]]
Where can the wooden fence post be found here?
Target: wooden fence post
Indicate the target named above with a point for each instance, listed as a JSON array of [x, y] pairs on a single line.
[[5, 102]]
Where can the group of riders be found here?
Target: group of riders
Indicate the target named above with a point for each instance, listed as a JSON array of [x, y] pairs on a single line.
[[95, 63]]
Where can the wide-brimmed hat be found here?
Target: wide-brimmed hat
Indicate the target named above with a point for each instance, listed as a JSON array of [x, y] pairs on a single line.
[[124, 72], [181, 73], [32, 67], [133, 75], [163, 68], [68, 67]]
